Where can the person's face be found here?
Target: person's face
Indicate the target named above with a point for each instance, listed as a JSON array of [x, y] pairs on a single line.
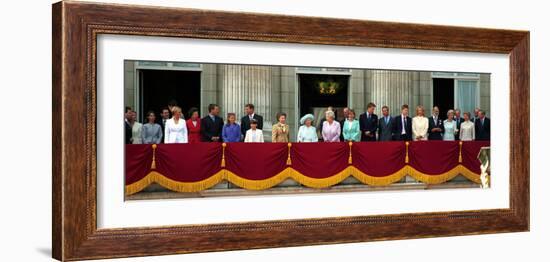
[[450, 115], [151, 118], [248, 110], [216, 110], [329, 118], [405, 111], [476, 112], [481, 115], [435, 111], [253, 126], [308, 122], [127, 114], [351, 115], [371, 109], [282, 119], [346, 112], [385, 111], [231, 119], [457, 113], [195, 115], [466, 117], [133, 116], [419, 112], [165, 114]]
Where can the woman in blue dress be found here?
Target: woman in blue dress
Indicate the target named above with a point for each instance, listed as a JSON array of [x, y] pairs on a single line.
[[449, 127], [307, 132]]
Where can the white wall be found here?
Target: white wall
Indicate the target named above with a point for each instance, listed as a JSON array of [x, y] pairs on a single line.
[[25, 84]]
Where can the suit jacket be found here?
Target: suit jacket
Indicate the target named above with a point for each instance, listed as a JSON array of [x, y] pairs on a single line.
[[245, 123], [432, 124], [385, 131], [368, 124], [483, 132], [211, 128], [459, 122], [162, 126], [127, 133], [398, 127]]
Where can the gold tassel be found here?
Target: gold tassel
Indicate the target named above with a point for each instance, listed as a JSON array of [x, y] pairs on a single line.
[[223, 154], [153, 164], [407, 152], [460, 152], [349, 158], [288, 161]]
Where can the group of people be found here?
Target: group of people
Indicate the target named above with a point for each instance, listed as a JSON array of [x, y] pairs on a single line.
[[369, 127], [173, 128]]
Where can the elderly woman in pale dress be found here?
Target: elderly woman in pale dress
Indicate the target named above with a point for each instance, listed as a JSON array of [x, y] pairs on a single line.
[[467, 129], [420, 125], [331, 129], [449, 127], [307, 132]]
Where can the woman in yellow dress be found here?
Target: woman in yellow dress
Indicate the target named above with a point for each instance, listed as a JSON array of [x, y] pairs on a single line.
[[280, 131]]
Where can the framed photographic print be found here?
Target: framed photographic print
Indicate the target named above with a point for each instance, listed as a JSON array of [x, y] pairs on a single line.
[[183, 130]]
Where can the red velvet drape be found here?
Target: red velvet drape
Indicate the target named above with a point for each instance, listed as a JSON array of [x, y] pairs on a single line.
[[196, 162]]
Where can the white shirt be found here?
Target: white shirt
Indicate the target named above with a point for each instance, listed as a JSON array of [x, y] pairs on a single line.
[[403, 131], [136, 133], [420, 127], [256, 136], [175, 133]]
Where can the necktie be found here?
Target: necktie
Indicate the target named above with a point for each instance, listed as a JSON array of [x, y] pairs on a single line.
[[387, 120], [403, 123]]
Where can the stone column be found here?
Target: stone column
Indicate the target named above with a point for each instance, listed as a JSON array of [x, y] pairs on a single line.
[[239, 85], [391, 88]]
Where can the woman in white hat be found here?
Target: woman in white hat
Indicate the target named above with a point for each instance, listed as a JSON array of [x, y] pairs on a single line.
[[307, 132]]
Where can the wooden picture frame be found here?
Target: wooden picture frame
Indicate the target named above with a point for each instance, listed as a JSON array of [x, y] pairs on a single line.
[[76, 26]]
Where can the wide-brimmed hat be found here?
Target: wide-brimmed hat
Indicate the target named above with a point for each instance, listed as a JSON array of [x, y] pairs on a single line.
[[306, 117]]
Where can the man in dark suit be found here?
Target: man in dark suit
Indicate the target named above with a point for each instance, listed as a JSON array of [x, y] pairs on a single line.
[[435, 125], [483, 127], [459, 120], [249, 115], [127, 126], [402, 125], [164, 116], [385, 125], [368, 123], [212, 125]]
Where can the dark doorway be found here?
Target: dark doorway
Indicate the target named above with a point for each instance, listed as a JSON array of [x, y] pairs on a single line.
[[321, 91], [443, 95], [158, 87]]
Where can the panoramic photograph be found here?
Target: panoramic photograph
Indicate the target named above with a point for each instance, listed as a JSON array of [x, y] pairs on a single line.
[[211, 130]]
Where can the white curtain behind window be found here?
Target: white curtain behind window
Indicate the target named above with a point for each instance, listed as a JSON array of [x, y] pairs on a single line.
[[467, 95]]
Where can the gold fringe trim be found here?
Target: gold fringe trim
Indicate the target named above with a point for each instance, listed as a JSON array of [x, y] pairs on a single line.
[[349, 158], [155, 177], [379, 181], [224, 174], [407, 152], [223, 154], [442, 178], [153, 163], [460, 152], [288, 160]]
